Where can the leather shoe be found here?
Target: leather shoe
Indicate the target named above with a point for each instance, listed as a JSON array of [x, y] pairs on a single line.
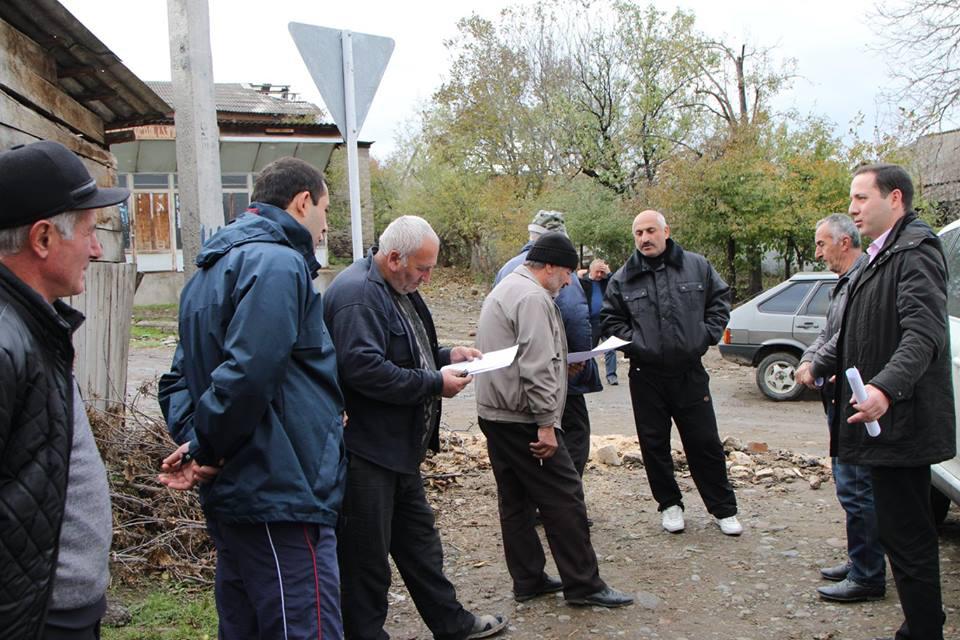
[[606, 597], [487, 625], [850, 591], [837, 573], [550, 585]]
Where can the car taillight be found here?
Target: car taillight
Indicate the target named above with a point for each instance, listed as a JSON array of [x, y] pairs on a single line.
[[726, 336]]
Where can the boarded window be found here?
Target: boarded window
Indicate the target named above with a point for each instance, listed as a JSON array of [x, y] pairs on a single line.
[[152, 217]]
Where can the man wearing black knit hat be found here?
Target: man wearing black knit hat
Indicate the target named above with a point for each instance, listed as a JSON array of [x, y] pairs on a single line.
[[519, 411]]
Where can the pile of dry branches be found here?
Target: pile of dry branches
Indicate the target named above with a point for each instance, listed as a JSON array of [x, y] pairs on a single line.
[[155, 530]]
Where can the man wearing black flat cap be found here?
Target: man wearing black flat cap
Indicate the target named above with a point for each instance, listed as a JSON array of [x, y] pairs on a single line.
[[520, 409], [55, 521]]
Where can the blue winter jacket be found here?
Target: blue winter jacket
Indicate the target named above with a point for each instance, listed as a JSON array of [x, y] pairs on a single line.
[[254, 378], [575, 312]]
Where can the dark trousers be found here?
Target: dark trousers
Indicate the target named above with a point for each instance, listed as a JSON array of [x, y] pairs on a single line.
[[576, 431], [91, 632], [385, 514], [553, 487], [685, 398], [909, 536], [82, 623], [276, 580]]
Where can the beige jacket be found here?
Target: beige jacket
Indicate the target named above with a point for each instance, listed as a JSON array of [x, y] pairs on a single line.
[[532, 389]]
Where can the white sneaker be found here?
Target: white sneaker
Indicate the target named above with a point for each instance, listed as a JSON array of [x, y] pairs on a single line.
[[730, 526], [673, 519]]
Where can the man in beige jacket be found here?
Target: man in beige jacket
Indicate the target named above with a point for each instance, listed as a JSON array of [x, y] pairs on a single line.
[[519, 409]]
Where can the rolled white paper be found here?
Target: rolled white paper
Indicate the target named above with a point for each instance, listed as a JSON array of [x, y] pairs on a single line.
[[860, 393]]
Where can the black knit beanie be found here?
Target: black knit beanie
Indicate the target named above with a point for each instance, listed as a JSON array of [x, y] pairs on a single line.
[[554, 248]]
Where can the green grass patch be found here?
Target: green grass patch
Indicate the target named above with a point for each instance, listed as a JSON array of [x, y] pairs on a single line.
[[166, 613], [153, 325]]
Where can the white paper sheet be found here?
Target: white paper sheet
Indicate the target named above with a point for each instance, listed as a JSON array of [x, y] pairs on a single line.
[[490, 361], [609, 344]]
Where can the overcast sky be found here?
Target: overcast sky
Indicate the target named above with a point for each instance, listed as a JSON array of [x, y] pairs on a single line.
[[841, 73]]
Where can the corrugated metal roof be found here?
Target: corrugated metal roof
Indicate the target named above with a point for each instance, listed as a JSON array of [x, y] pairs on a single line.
[[87, 69], [259, 99]]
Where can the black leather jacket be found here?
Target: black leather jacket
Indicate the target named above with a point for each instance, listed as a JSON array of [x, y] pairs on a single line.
[[895, 330], [36, 431], [671, 315]]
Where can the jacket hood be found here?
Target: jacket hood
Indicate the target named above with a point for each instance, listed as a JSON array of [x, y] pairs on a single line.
[[260, 223]]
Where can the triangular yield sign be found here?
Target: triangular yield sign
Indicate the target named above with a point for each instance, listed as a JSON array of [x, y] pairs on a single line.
[[322, 51]]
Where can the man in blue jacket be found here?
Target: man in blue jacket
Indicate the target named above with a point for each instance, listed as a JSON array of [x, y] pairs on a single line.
[[253, 394], [575, 313], [390, 371]]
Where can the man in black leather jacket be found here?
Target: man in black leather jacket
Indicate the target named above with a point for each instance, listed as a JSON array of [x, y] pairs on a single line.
[[55, 522], [671, 305]]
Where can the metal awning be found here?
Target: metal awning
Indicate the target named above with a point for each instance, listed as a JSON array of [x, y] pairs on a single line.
[[237, 154]]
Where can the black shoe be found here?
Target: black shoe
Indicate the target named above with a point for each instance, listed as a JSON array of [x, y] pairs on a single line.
[[836, 573], [589, 522], [606, 597], [850, 591], [612, 381], [550, 585]]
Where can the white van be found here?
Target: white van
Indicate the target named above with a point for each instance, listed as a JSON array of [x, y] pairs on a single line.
[[946, 475]]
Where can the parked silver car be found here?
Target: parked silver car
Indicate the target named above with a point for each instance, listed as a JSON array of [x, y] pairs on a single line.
[[771, 331]]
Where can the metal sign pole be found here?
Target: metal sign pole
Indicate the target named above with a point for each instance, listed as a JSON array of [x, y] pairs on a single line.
[[353, 162]]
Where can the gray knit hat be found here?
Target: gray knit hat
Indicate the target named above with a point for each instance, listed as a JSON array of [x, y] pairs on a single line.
[[547, 221]]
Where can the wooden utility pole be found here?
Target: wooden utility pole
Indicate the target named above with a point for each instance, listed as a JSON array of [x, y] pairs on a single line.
[[195, 118]]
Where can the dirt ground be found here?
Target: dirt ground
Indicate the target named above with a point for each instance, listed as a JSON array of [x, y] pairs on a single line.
[[698, 584]]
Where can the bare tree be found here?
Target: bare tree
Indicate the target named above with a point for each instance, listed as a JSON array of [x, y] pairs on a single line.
[[921, 39]]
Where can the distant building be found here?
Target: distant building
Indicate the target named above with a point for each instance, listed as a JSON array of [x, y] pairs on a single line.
[[937, 162], [258, 123]]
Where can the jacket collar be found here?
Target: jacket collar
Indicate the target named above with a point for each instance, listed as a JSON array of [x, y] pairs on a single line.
[[57, 317], [672, 255]]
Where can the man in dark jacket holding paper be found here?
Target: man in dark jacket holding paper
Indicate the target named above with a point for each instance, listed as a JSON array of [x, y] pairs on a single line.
[[253, 391], [895, 331], [389, 363]]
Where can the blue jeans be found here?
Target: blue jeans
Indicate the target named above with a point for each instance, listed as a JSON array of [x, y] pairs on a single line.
[[610, 360], [855, 493]]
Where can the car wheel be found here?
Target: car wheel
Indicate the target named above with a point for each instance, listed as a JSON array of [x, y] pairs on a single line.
[[776, 376], [940, 504]]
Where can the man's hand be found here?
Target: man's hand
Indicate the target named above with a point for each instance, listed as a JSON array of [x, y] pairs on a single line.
[[183, 477], [804, 375], [453, 382], [575, 368], [546, 444], [876, 405], [464, 354]]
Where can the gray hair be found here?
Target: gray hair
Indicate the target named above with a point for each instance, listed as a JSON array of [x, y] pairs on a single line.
[[13, 241], [841, 225], [406, 235], [534, 265]]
